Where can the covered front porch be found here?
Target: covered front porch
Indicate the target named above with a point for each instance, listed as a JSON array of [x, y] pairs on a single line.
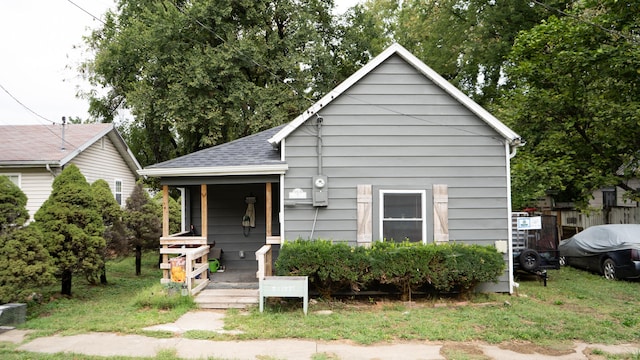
[[233, 221]]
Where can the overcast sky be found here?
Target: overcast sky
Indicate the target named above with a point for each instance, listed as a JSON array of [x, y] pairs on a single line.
[[40, 55]]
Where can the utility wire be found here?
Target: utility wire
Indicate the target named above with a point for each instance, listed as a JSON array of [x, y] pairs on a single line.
[[207, 28], [25, 106], [85, 11]]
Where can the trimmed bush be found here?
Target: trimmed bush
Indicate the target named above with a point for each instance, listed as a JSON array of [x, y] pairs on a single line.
[[333, 267]]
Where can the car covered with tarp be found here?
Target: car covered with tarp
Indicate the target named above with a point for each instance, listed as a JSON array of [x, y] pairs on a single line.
[[611, 250]]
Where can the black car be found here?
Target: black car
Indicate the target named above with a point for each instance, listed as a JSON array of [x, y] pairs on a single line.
[[611, 250]]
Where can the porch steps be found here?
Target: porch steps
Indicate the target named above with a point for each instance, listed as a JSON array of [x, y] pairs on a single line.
[[228, 296]]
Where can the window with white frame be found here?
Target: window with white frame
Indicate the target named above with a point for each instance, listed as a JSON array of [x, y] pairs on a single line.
[[403, 215], [118, 191], [14, 178]]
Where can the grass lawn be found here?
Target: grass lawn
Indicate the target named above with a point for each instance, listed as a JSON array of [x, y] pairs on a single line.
[[575, 306]]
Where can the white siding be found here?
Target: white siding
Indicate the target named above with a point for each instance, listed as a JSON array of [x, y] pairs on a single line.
[[103, 161], [35, 183]]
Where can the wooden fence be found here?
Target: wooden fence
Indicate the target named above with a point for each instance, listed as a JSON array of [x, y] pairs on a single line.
[[572, 221]]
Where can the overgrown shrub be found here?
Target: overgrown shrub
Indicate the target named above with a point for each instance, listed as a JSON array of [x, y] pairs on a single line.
[[332, 267]]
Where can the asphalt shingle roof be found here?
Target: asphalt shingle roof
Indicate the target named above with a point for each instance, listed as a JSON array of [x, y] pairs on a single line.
[[23, 144], [251, 150]]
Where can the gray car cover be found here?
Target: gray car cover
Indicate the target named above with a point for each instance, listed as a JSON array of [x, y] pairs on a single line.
[[601, 238]]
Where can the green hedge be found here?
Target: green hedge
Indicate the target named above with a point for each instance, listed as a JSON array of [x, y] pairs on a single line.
[[333, 267]]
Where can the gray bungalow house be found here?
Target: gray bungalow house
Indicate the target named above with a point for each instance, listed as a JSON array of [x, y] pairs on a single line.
[[394, 152]]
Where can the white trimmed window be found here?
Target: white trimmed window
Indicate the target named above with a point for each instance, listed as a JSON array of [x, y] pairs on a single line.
[[403, 215], [14, 178], [118, 191]]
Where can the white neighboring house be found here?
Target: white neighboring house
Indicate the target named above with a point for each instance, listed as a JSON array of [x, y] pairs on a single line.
[[33, 155]]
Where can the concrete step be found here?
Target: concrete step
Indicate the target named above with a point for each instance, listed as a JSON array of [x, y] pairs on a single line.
[[227, 298]]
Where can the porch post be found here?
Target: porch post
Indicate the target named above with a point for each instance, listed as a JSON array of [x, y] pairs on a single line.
[[203, 210], [165, 210], [269, 209], [165, 227]]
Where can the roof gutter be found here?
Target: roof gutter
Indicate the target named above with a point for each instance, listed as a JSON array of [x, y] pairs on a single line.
[[276, 169], [514, 145]]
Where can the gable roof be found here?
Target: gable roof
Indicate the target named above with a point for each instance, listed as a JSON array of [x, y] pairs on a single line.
[[397, 49], [250, 155], [45, 145]]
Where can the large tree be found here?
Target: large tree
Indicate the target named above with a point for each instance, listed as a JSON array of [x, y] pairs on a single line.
[[575, 101], [72, 228], [467, 42], [200, 73], [24, 262]]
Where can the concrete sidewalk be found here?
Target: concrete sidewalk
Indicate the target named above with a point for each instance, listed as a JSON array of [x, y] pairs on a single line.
[[109, 344]]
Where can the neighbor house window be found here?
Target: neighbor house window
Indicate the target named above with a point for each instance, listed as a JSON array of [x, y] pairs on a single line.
[[403, 215], [118, 191], [14, 178]]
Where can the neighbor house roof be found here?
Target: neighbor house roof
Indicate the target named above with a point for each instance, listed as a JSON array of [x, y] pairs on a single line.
[[397, 49], [251, 155], [48, 145]]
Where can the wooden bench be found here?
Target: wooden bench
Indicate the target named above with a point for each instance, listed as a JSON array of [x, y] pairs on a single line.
[[285, 286]]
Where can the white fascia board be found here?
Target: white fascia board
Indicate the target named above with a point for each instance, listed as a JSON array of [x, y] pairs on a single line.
[[491, 120], [337, 91], [278, 169], [396, 48], [86, 145], [124, 150]]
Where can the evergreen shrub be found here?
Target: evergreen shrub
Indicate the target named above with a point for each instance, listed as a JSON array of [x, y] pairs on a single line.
[[407, 267]]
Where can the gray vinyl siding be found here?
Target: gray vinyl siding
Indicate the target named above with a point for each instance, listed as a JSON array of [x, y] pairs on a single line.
[[226, 207], [103, 161], [397, 130]]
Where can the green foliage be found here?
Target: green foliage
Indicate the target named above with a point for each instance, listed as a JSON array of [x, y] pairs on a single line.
[[467, 43], [143, 221], [175, 212], [163, 297], [72, 228], [106, 202], [332, 267], [25, 265], [575, 102], [24, 262], [142, 218], [202, 73], [115, 233], [13, 202]]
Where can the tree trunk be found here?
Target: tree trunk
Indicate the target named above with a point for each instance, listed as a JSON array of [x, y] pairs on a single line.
[[66, 282], [103, 275], [138, 259]]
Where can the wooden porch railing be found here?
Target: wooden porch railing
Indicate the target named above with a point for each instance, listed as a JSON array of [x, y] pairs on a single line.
[[196, 253], [264, 256]]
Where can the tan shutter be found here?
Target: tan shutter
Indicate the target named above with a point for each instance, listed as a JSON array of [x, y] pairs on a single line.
[[440, 213], [364, 220]]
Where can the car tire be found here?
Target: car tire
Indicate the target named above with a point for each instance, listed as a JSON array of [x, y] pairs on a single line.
[[529, 260], [609, 269]]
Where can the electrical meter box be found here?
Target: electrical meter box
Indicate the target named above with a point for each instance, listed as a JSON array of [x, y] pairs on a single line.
[[320, 194]]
